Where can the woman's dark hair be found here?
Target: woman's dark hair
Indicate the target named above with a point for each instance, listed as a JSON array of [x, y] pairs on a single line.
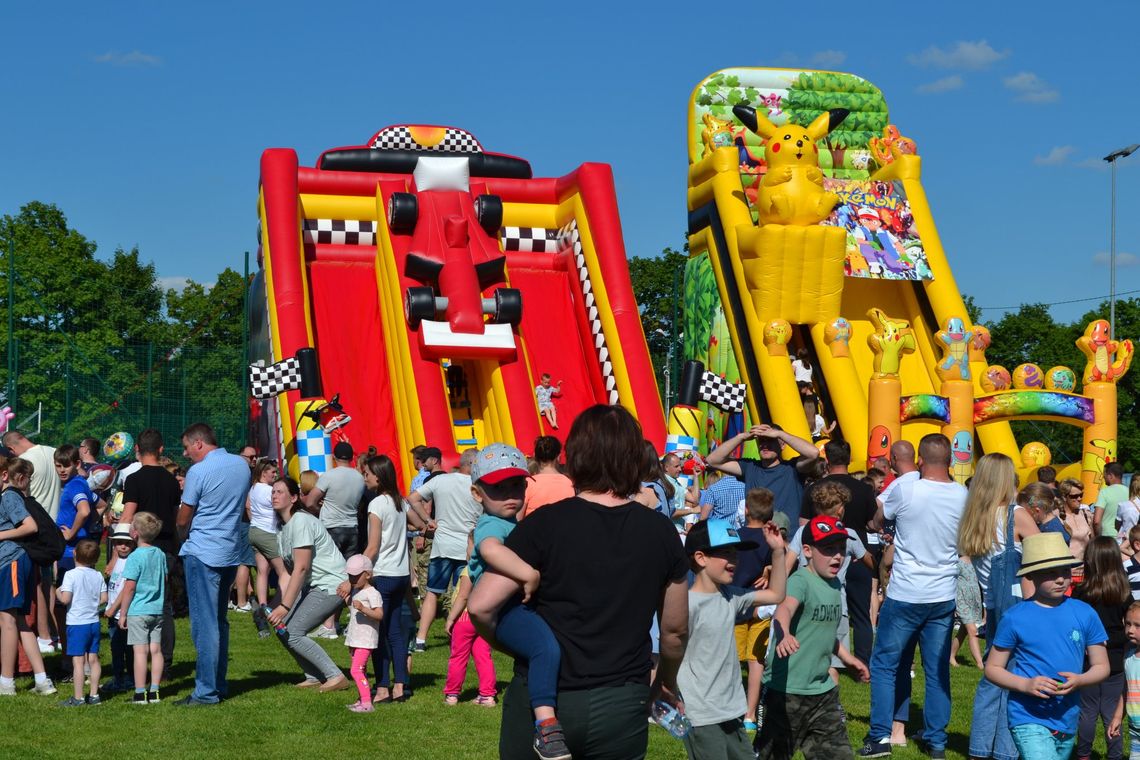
[[381, 466], [294, 491], [546, 449], [804, 357], [604, 451], [1105, 583], [654, 473]]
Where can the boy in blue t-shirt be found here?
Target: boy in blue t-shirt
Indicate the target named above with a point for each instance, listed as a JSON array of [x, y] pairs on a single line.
[[1039, 652], [142, 596], [76, 504]]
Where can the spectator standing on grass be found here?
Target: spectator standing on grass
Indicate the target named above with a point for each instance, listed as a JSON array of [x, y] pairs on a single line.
[[453, 517], [336, 498], [548, 484], [783, 478], [601, 552], [210, 516], [920, 598], [1111, 494]]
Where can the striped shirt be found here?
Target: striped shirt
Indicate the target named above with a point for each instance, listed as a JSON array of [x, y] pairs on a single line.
[[1132, 570]]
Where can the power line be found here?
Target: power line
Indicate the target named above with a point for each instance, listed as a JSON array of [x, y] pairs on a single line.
[[1059, 303]]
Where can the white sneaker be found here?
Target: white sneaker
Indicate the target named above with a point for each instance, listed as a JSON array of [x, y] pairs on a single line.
[[46, 688], [7, 691], [322, 633], [247, 607]]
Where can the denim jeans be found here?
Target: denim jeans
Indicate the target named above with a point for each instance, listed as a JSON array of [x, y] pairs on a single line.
[[989, 728], [900, 625], [528, 636], [392, 653], [1036, 742], [208, 592]]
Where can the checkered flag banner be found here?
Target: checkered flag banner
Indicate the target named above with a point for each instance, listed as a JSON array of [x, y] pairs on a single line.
[[721, 393], [267, 382]]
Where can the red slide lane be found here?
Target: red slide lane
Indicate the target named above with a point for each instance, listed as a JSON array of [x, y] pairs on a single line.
[[554, 344], [350, 344]]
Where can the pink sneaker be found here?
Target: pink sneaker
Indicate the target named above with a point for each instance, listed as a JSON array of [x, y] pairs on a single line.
[[360, 707]]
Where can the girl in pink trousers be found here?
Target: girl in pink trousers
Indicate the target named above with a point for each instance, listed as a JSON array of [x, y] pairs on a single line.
[[366, 610], [465, 643]]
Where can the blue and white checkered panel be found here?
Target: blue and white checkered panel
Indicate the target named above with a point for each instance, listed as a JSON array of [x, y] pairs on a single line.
[[680, 443], [531, 239], [721, 393], [339, 231], [314, 450], [400, 138]]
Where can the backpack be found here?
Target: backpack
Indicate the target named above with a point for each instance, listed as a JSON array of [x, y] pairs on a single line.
[[47, 545]]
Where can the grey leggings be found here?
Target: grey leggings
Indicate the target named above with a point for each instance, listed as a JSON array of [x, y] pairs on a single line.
[[1099, 701], [315, 607]]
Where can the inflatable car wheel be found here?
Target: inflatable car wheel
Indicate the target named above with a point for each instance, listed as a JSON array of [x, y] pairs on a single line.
[[419, 304], [402, 212], [489, 212], [508, 306]]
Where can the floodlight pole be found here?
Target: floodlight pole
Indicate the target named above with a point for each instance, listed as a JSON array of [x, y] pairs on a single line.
[[1111, 158]]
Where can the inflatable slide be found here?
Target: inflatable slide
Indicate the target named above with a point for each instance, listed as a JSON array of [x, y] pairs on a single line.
[[810, 231], [437, 282]]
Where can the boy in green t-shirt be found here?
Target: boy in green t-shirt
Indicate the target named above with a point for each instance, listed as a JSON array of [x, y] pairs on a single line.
[[801, 702]]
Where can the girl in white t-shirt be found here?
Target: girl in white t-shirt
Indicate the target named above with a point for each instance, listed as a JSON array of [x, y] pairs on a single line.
[[1128, 512], [264, 525], [366, 610], [801, 366]]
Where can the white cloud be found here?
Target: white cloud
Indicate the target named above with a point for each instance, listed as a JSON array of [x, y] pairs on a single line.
[[177, 283], [1122, 259], [945, 84], [826, 58], [1055, 157], [1030, 88], [133, 58], [972, 56]]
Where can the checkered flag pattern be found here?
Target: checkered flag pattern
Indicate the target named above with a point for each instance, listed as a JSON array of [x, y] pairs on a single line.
[[530, 239], [571, 238], [339, 231], [267, 382], [721, 393], [314, 450], [400, 138]]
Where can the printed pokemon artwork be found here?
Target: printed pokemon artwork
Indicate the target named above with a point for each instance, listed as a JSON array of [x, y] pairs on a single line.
[[882, 242]]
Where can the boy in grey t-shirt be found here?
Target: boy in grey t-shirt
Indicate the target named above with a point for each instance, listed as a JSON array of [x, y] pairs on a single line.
[[709, 678], [338, 492]]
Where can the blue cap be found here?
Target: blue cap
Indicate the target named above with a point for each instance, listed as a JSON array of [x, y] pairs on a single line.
[[715, 534]]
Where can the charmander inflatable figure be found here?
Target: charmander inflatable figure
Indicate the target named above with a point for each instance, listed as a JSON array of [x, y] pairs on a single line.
[[791, 192], [1097, 344]]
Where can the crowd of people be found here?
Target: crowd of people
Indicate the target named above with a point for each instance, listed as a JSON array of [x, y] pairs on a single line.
[[616, 578]]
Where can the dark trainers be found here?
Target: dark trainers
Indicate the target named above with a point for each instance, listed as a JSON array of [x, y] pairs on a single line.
[[94, 699], [152, 697], [875, 748], [419, 646], [550, 742], [924, 746], [72, 702], [139, 698]]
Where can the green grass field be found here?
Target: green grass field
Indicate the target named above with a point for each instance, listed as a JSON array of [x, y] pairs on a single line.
[[267, 717]]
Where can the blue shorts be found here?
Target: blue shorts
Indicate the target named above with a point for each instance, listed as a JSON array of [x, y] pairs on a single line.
[[83, 639], [15, 585], [443, 572]]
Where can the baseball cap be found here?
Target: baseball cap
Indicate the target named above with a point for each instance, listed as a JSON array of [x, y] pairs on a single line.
[[358, 564], [823, 529], [715, 534], [122, 532], [429, 452], [781, 521], [497, 462], [343, 451]]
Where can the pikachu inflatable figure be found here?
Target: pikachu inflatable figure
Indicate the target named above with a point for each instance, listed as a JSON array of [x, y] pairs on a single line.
[[791, 191]]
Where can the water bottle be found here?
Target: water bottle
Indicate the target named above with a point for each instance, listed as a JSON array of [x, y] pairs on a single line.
[[282, 631], [667, 716]]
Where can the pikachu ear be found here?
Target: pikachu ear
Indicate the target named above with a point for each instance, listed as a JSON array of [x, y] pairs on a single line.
[[826, 122], [754, 121]]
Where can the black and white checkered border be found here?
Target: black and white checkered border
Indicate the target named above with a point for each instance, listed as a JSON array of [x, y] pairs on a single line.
[[267, 382], [721, 393], [572, 239], [400, 138], [339, 231], [531, 239]]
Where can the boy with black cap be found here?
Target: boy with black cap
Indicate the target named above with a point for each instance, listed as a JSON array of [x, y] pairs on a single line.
[[801, 702], [709, 678]]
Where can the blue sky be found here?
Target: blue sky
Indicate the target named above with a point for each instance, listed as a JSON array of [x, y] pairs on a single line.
[[145, 122]]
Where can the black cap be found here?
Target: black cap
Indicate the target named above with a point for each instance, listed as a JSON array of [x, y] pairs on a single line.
[[429, 452], [343, 451]]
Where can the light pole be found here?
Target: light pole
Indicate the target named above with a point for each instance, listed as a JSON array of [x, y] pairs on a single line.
[[1111, 159]]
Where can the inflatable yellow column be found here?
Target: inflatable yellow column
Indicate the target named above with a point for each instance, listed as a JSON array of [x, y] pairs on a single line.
[[1107, 363], [892, 338], [954, 369]]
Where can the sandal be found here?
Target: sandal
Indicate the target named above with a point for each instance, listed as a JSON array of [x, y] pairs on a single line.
[[451, 699], [484, 701]]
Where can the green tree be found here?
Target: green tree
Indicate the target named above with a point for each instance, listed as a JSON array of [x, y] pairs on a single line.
[[658, 287]]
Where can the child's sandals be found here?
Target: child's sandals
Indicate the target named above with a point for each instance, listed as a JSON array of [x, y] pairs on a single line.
[[451, 699], [360, 707], [484, 701]]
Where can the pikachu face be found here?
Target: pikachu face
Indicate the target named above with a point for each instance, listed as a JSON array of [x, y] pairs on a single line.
[[790, 145]]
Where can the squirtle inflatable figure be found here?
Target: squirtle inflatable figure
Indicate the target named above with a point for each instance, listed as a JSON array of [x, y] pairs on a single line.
[[957, 342], [962, 455]]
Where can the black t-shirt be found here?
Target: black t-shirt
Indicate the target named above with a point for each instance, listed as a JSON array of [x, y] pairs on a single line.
[[858, 511], [603, 572], [750, 564], [156, 490]]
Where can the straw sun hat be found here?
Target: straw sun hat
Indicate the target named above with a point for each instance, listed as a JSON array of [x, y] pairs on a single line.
[[1043, 551]]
